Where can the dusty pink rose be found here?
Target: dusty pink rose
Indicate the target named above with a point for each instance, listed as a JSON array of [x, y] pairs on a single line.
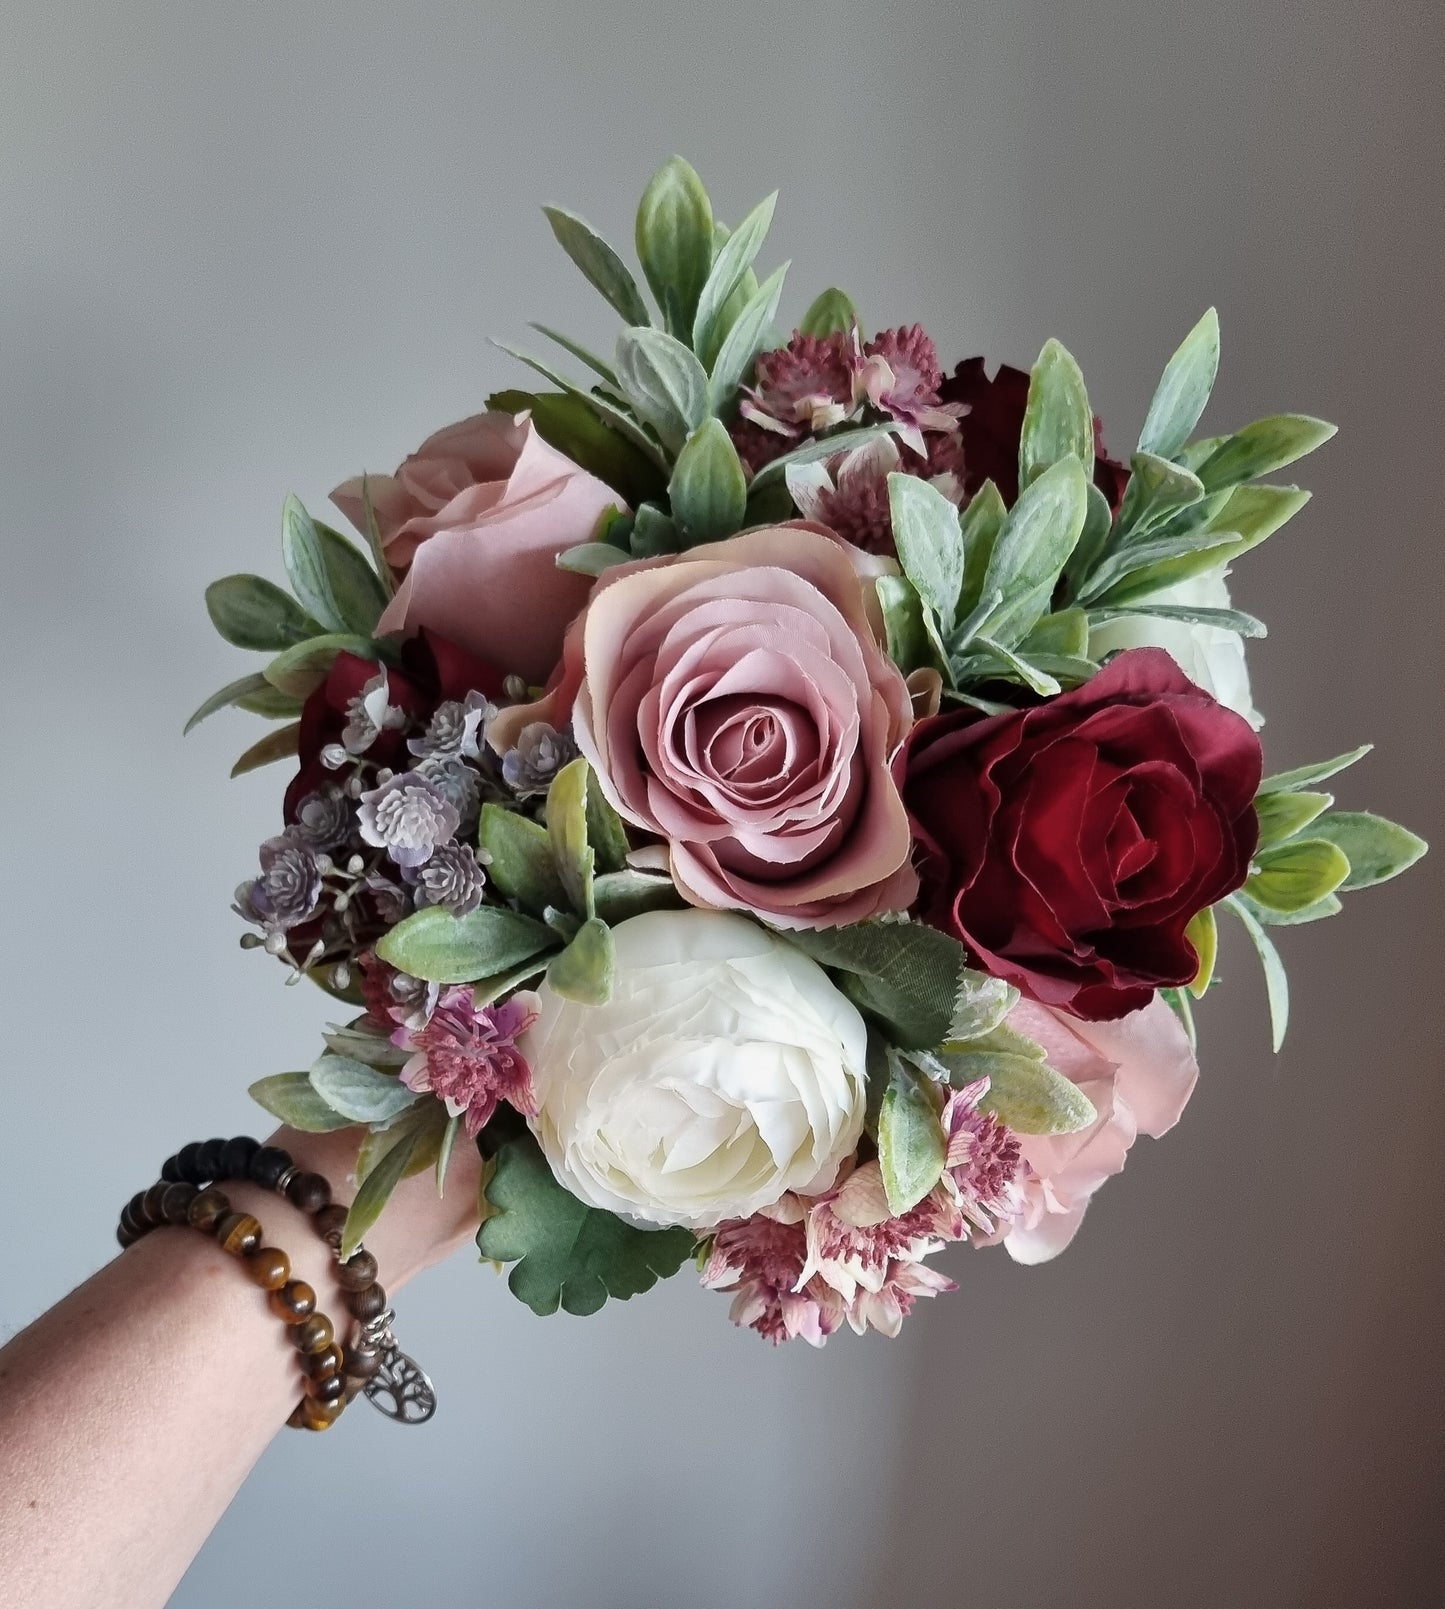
[[1137, 1070], [735, 701], [476, 518]]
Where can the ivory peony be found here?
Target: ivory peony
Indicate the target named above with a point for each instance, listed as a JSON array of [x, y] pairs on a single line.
[[725, 1071]]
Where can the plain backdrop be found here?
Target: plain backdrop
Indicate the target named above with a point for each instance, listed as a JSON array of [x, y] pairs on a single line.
[[251, 249]]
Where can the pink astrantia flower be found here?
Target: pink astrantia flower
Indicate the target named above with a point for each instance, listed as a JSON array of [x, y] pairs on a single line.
[[984, 1160], [900, 376], [849, 491], [886, 1308], [467, 1056], [760, 1260], [854, 1239], [804, 387]]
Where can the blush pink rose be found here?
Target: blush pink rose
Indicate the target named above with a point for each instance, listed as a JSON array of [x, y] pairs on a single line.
[[735, 701], [1138, 1071], [475, 519]]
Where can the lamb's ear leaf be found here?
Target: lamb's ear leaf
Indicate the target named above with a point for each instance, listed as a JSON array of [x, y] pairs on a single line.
[[674, 237], [912, 1146]]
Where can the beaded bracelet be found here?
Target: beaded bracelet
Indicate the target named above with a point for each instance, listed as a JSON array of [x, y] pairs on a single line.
[[371, 1362]]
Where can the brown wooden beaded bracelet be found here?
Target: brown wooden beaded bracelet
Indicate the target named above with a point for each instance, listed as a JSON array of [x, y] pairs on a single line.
[[293, 1301]]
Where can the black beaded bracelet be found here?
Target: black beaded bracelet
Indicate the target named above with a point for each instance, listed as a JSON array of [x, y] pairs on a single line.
[[371, 1361]]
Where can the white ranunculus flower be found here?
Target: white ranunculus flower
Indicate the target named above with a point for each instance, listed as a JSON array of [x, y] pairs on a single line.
[[725, 1070], [1209, 656]]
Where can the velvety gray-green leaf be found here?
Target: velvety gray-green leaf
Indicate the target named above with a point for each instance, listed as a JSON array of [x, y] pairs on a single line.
[[600, 263], [1183, 391], [708, 491], [1263, 447], [729, 268], [584, 970], [979, 526], [251, 612], [292, 1098], [306, 567], [1377, 849], [1058, 422], [749, 335], [912, 1147], [1305, 776], [1276, 981], [376, 1190], [674, 238], [664, 382], [572, 850], [622, 894], [929, 542], [830, 313], [300, 670], [359, 1092], [442, 948], [278, 744], [358, 593], [1033, 546], [1029, 1097]]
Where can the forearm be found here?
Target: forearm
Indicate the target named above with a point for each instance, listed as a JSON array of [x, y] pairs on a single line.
[[132, 1411]]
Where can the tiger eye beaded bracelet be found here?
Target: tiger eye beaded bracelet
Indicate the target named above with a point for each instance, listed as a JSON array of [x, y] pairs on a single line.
[[371, 1361]]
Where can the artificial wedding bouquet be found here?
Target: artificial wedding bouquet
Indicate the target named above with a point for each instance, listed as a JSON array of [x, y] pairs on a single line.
[[776, 798]]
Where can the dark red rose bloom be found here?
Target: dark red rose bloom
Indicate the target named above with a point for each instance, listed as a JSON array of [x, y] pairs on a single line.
[[432, 671], [995, 421], [1069, 845]]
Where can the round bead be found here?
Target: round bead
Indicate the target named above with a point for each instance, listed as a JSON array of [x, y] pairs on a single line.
[[366, 1304], [269, 1267], [207, 1210], [313, 1334], [131, 1217], [151, 1202], [269, 1165], [309, 1191], [330, 1388], [293, 1301], [126, 1237], [311, 1415], [208, 1160], [357, 1272], [239, 1233], [171, 1169], [361, 1362], [321, 1364], [187, 1159], [330, 1220], [176, 1202], [236, 1157]]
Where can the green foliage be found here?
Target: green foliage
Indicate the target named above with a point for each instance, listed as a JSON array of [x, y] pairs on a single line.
[[730, 268], [912, 1146], [359, 596], [1183, 391], [606, 831], [293, 1098], [396, 1152], [1058, 422], [1261, 448], [930, 546], [911, 637], [591, 558], [567, 1254], [1031, 549], [572, 851], [664, 382], [1157, 490], [571, 423], [442, 948], [749, 335], [708, 491], [603, 267], [654, 533], [1283, 815], [300, 670], [363, 1045], [608, 412], [979, 527], [1295, 875], [522, 868], [1275, 981], [278, 744], [584, 971], [674, 237], [1376, 849], [1203, 934], [251, 612], [831, 313], [253, 693], [1025, 1093], [621, 894], [1306, 776], [361, 1094]]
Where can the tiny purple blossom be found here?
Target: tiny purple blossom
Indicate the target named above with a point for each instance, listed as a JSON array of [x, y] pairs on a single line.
[[288, 890], [407, 816]]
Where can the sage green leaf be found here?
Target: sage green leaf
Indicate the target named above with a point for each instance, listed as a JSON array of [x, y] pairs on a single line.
[[604, 269], [750, 334], [606, 831], [1305, 776], [584, 970], [674, 240], [1377, 849], [487, 991], [306, 567], [358, 1092], [1135, 573], [730, 267], [664, 382], [244, 688], [909, 646], [1157, 490], [831, 313], [444, 1152], [279, 744], [708, 491], [359, 595], [379, 561], [1092, 544], [622, 894], [979, 526], [442, 948], [1183, 391], [654, 533], [980, 1006], [572, 851], [591, 558], [1234, 620], [912, 1146], [1029, 1097], [1294, 875], [992, 661], [1033, 546], [929, 541], [1285, 815], [1330, 905], [251, 612], [906, 975], [270, 702], [609, 413], [568, 1255], [1066, 633], [376, 1189], [293, 1098], [810, 452], [1276, 981], [1203, 934], [1181, 1004], [302, 669], [1260, 449], [584, 355], [359, 1044], [1058, 422], [1253, 513]]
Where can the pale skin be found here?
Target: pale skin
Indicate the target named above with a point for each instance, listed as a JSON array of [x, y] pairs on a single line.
[[132, 1411]]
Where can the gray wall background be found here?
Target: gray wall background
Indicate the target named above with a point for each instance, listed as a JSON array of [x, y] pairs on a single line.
[[245, 250]]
